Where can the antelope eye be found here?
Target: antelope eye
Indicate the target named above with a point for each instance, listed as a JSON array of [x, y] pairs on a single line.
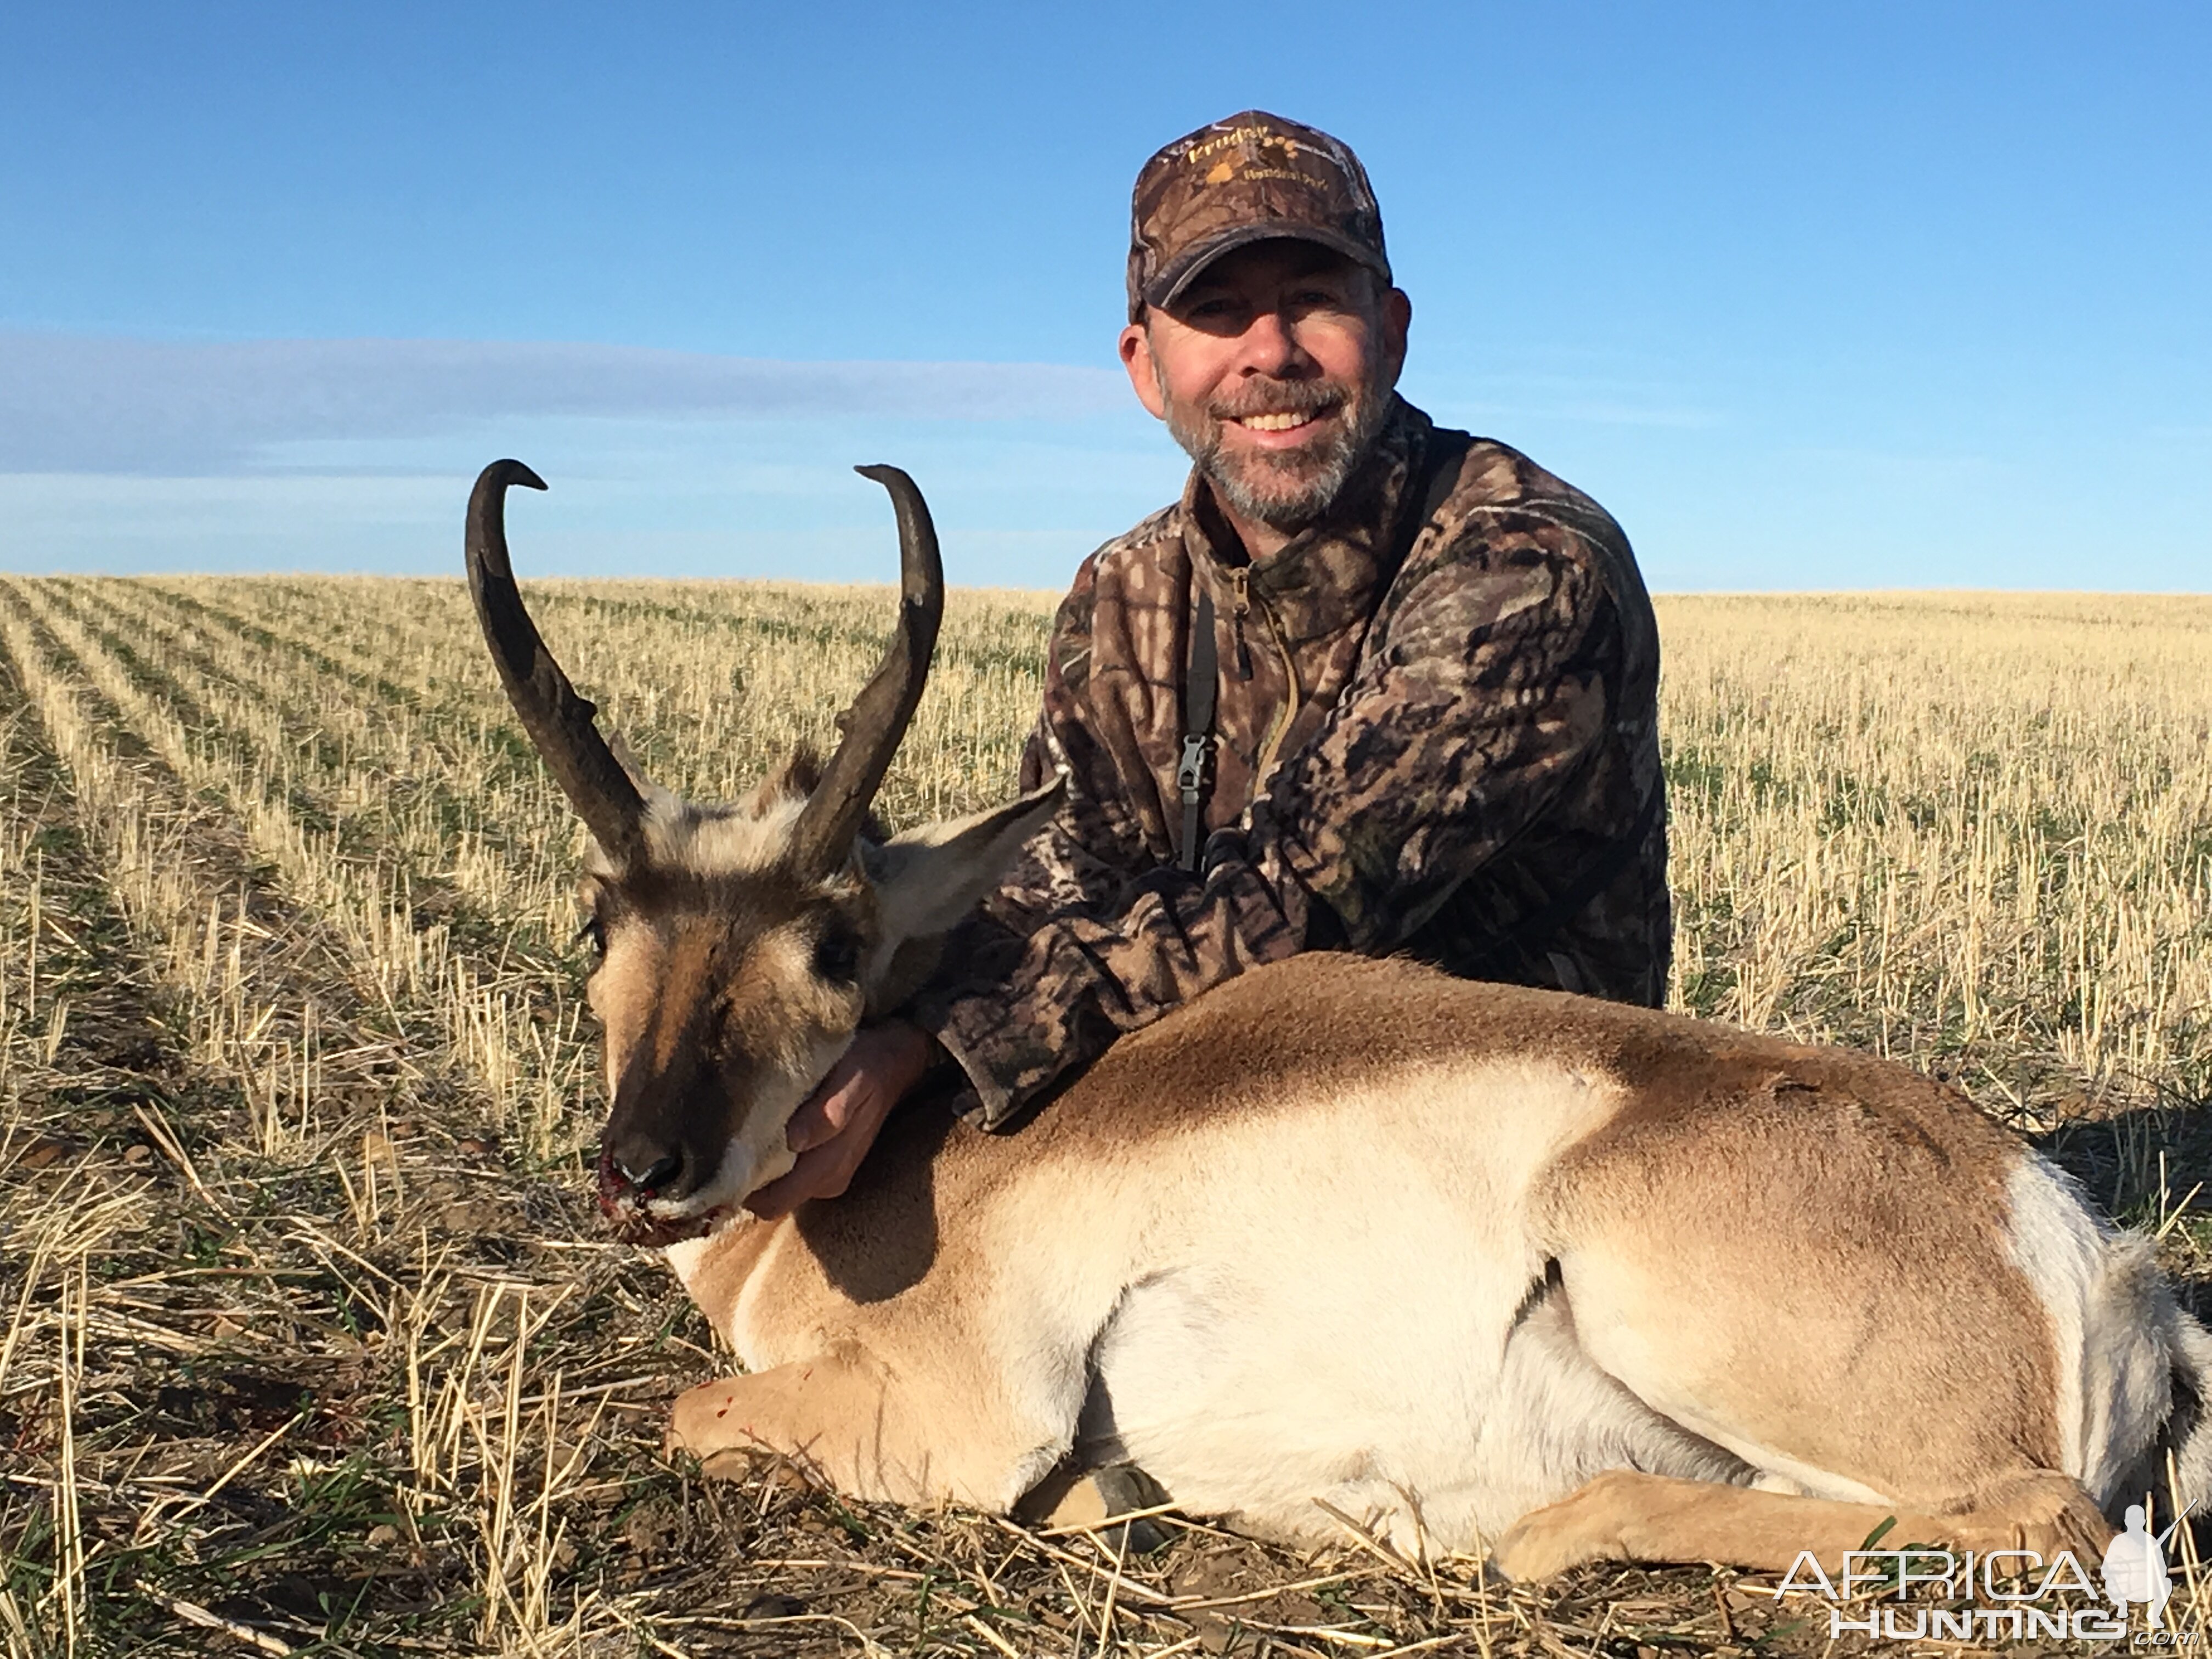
[[837, 956]]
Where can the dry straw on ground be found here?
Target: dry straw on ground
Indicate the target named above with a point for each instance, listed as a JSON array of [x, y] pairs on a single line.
[[312, 1343]]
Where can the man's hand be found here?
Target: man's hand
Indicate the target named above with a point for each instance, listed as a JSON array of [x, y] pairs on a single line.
[[835, 1126]]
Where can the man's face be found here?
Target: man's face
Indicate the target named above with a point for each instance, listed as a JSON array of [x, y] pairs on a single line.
[[1273, 371]]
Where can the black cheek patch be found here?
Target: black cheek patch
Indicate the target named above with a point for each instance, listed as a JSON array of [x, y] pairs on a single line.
[[837, 956]]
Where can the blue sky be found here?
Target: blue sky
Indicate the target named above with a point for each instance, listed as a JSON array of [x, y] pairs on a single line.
[[1875, 296]]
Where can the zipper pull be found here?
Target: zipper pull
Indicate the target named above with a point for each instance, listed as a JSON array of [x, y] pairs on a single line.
[[1239, 577]]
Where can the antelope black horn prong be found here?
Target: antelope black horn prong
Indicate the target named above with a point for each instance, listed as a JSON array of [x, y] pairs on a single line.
[[560, 723], [828, 824]]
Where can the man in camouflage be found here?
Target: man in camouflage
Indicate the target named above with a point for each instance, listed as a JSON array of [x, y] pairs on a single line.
[[1435, 666]]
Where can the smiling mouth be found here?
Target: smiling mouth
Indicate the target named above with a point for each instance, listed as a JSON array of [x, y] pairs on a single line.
[[1289, 420]]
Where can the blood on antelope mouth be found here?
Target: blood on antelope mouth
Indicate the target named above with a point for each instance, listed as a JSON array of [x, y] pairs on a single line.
[[652, 1231], [635, 1224]]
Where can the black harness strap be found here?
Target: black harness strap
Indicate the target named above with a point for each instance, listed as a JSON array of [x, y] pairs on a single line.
[[1440, 476], [1198, 691], [1533, 932]]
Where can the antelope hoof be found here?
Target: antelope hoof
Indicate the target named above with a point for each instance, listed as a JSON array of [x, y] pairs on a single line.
[[1095, 1500]]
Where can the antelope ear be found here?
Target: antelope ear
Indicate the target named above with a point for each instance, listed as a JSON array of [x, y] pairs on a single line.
[[797, 778], [928, 879], [657, 799]]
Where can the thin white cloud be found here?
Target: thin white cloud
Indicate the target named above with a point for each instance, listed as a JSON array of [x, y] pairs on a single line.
[[74, 404]]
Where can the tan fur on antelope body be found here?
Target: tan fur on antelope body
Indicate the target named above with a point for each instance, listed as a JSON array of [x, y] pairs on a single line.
[[1441, 1253], [1472, 1263]]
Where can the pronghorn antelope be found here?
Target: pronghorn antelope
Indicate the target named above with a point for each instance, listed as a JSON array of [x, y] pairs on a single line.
[[1474, 1264]]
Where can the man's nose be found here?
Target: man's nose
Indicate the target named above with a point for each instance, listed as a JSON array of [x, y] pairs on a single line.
[[1271, 345]]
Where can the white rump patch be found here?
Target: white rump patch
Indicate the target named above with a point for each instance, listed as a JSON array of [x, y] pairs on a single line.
[[2109, 1325]]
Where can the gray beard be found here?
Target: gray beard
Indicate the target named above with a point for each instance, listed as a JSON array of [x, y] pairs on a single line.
[[1283, 491]]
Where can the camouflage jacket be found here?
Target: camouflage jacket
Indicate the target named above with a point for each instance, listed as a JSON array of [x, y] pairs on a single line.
[[1447, 750]]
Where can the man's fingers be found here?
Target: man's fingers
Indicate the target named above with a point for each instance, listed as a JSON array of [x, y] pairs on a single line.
[[835, 1126], [824, 1172], [809, 1126], [781, 1196], [823, 1115], [837, 1174]]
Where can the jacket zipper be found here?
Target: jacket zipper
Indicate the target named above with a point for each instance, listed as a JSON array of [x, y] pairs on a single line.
[[1240, 607], [1294, 696]]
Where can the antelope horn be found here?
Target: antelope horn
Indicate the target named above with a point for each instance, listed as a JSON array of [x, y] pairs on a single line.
[[829, 823], [559, 722]]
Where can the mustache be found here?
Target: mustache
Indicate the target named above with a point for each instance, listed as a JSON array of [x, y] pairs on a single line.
[[1280, 398]]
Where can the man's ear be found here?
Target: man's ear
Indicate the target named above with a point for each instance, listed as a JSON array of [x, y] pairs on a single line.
[[928, 879], [1136, 348], [1397, 323]]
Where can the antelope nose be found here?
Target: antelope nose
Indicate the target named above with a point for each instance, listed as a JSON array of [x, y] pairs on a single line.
[[648, 1169]]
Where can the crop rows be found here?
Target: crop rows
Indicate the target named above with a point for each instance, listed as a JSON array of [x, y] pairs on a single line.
[[311, 1339]]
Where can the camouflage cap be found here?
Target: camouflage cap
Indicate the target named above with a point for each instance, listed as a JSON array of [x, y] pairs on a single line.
[[1248, 178]]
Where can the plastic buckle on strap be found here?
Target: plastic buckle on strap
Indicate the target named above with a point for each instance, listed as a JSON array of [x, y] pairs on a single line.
[[1190, 774]]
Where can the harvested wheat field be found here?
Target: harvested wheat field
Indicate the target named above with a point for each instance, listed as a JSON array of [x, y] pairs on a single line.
[[314, 1344]]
